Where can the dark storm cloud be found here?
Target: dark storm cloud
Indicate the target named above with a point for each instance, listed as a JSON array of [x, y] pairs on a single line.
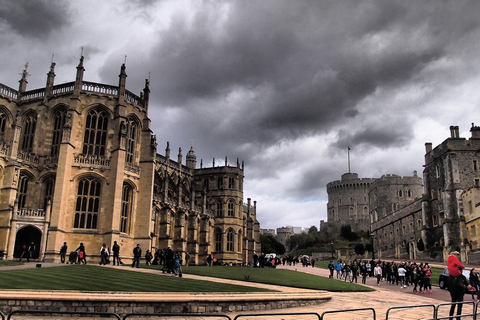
[[308, 66], [33, 18]]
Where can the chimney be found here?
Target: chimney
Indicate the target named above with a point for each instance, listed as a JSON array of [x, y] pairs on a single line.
[[428, 147]]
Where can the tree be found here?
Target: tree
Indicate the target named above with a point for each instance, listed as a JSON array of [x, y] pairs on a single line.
[[360, 249], [271, 245], [347, 233]]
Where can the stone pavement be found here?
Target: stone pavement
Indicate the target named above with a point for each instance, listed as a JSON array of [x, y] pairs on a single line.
[[374, 305]]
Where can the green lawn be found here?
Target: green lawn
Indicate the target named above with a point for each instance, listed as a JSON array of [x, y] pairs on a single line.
[[94, 278], [275, 277]]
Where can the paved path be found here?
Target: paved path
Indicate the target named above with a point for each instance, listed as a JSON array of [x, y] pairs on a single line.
[[384, 298]]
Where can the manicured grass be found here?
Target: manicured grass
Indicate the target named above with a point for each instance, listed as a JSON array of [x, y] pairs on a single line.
[[94, 278], [275, 277], [8, 263]]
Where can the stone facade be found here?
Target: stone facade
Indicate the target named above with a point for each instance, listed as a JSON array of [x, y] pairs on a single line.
[[348, 202], [410, 222], [78, 163], [450, 169]]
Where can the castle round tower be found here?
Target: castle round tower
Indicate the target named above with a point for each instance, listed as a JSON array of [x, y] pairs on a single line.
[[348, 201]]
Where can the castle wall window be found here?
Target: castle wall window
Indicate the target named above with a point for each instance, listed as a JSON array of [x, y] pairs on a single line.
[[231, 209], [230, 237], [88, 204], [58, 123], [126, 208], [206, 184], [219, 209], [218, 240], [22, 190], [95, 139], [49, 188], [220, 183], [475, 165], [130, 141], [231, 183], [30, 124], [400, 193]]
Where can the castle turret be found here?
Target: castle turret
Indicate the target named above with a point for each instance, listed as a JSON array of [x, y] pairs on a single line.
[[191, 158]]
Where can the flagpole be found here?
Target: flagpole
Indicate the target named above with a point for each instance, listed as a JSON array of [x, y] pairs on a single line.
[[348, 159]]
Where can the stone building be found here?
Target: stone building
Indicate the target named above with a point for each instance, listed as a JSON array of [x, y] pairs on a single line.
[[348, 202], [79, 163], [396, 215], [410, 223], [451, 168]]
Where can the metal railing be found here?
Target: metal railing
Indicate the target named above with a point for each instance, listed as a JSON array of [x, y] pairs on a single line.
[[412, 307], [349, 311], [346, 313], [263, 316], [177, 315]]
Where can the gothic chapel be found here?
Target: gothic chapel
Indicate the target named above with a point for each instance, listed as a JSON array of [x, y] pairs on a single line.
[[79, 163]]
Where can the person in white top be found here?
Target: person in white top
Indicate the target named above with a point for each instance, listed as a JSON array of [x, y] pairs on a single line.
[[378, 273], [401, 275], [104, 254]]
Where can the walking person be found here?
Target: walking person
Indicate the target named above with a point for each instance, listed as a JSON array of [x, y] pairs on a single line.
[[116, 253], [475, 283], [63, 252], [137, 255], [457, 286], [401, 276], [377, 271], [31, 251], [81, 254], [103, 254]]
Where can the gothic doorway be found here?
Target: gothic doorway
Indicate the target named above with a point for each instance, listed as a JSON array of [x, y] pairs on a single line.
[[26, 236]]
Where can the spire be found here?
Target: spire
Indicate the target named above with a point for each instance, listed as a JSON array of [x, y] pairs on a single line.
[[23, 82], [79, 77], [50, 79], [122, 83]]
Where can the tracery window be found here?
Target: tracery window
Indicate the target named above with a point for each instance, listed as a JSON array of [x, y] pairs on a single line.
[[126, 208], [58, 123], [22, 190], [88, 204], [3, 124], [219, 209], [49, 189], [130, 141], [231, 183], [230, 236], [218, 240], [231, 209], [30, 124], [95, 139]]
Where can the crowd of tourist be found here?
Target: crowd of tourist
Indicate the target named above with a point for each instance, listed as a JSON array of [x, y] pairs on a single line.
[[403, 274]]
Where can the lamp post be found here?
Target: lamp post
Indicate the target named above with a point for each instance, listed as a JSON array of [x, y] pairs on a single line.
[[332, 252], [372, 235]]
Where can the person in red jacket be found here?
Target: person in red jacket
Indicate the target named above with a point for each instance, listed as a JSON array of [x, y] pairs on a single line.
[[454, 265]]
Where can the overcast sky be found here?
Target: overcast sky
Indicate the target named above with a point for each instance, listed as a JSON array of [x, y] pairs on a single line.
[[285, 86]]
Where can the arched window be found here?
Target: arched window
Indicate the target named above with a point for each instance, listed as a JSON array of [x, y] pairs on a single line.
[[239, 242], [58, 123], [126, 208], [130, 141], [88, 204], [22, 191], [219, 209], [30, 124], [231, 208], [3, 125], [95, 139], [218, 240], [230, 237], [49, 189]]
